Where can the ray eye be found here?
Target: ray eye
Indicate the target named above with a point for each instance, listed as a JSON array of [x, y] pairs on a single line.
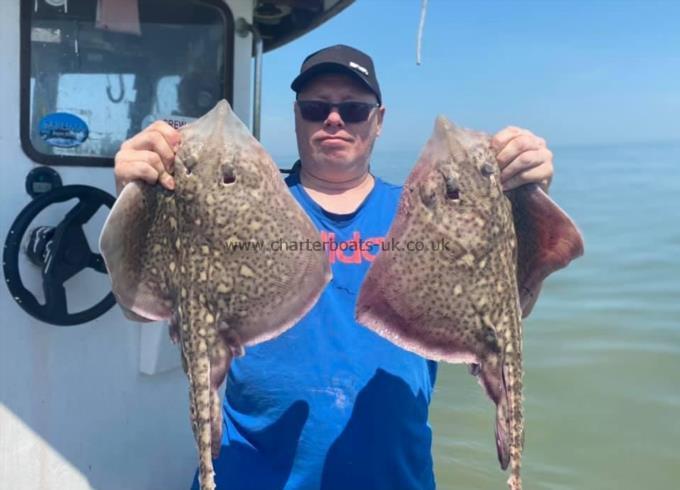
[[228, 176], [487, 169], [181, 163], [452, 190], [427, 194]]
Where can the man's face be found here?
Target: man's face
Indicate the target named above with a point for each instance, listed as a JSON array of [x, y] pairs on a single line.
[[334, 146]]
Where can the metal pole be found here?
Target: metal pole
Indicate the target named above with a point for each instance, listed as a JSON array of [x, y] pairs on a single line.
[[257, 80], [243, 27]]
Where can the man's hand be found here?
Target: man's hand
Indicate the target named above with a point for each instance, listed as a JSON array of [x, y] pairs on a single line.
[[148, 156], [523, 158]]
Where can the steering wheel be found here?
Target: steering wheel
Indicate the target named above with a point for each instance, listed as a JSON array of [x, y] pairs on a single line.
[[61, 251]]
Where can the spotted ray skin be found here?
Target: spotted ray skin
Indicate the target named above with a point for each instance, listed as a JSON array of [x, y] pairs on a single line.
[[189, 256], [461, 303]]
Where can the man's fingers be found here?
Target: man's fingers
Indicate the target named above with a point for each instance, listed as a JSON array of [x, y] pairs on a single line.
[[155, 161], [516, 146], [523, 158], [502, 138], [172, 136], [525, 161], [137, 170], [163, 142], [148, 156], [157, 143], [167, 181], [541, 175], [144, 165], [164, 149]]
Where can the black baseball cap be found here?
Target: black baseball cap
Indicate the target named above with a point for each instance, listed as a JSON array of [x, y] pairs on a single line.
[[339, 59]]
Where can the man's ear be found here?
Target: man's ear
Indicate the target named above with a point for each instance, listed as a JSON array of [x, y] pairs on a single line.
[[381, 115], [296, 116]]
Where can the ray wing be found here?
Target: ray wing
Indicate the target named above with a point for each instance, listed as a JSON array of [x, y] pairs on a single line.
[[135, 245]]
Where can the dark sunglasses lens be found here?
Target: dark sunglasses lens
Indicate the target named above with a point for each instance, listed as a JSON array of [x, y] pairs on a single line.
[[314, 111], [353, 112], [350, 112]]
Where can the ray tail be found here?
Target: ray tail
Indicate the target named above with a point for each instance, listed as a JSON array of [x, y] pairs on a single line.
[[196, 354]]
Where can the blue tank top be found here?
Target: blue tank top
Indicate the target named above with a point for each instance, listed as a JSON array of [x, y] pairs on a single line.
[[329, 404]]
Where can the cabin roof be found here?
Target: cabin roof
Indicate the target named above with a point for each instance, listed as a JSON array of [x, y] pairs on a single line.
[[282, 21]]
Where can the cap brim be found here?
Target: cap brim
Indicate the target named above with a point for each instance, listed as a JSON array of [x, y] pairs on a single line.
[[329, 67]]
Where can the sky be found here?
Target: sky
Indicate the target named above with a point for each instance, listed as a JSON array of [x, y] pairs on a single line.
[[575, 72]]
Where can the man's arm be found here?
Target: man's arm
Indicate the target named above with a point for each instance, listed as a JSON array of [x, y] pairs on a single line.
[[523, 158]]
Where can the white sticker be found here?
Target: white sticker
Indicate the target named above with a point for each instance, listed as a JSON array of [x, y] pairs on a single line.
[[45, 35], [174, 121]]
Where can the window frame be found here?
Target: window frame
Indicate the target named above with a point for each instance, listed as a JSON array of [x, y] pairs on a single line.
[[25, 87]]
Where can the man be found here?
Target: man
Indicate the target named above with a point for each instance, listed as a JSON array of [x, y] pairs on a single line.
[[329, 404]]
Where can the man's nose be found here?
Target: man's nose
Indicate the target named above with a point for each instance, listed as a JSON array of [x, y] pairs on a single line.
[[334, 118]]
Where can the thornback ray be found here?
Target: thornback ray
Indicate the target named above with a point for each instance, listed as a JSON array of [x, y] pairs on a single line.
[[200, 257], [462, 299]]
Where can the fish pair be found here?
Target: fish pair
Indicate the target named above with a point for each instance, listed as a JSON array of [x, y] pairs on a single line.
[[198, 257]]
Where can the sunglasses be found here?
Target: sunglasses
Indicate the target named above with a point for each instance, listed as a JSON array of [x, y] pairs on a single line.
[[350, 112]]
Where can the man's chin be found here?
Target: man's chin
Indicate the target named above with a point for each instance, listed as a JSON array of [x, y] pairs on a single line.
[[336, 158]]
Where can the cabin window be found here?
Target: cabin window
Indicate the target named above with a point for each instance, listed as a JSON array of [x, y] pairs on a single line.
[[95, 72]]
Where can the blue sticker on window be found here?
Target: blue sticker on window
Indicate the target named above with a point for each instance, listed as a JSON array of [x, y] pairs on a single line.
[[63, 130]]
